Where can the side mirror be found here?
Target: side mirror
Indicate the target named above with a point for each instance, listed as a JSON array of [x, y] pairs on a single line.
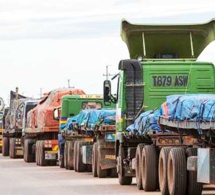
[[107, 91], [56, 114]]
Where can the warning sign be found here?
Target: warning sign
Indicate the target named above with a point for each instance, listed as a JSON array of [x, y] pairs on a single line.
[[110, 137]]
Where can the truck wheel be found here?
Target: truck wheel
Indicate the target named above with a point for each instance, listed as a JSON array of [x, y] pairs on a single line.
[[113, 173], [149, 168], [42, 154], [102, 173], [94, 160], [176, 171], [26, 151], [12, 148], [70, 151], [193, 187], [123, 180], [162, 170], [38, 149], [65, 155], [5, 146], [61, 160], [138, 166], [80, 166], [28, 157], [75, 156], [36, 153]]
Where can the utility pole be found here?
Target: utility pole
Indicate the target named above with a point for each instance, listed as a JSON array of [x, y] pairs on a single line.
[[107, 74], [69, 84], [41, 92]]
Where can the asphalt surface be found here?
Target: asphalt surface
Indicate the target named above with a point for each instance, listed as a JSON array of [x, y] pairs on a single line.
[[20, 178]]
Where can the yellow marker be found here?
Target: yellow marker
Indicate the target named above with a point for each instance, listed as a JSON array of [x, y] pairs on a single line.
[[92, 96], [112, 157], [51, 152], [55, 148]]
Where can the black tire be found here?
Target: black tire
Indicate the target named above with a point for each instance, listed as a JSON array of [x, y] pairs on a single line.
[[123, 180], [149, 168], [94, 160], [193, 187], [113, 173], [70, 155], [12, 148], [28, 157], [162, 170], [65, 155], [75, 156], [80, 166], [37, 153], [176, 171], [138, 166], [102, 173], [42, 154], [89, 168], [5, 146], [61, 160]]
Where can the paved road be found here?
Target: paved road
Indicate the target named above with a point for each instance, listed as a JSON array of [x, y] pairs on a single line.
[[20, 178]]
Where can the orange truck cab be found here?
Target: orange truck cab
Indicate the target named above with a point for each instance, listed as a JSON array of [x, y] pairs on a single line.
[[41, 132]]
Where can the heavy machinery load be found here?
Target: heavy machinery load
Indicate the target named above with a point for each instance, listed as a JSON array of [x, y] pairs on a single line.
[[163, 63], [41, 131], [91, 131], [13, 125]]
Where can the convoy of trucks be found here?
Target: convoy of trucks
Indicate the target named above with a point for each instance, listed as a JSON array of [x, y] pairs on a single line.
[[148, 138]]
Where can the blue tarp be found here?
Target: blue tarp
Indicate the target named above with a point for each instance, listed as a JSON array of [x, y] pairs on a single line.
[[191, 107], [90, 118], [145, 122], [195, 107]]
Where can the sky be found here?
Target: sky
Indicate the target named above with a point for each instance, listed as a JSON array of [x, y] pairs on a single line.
[[47, 44]]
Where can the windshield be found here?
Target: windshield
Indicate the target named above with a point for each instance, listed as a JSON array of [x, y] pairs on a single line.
[[91, 105]]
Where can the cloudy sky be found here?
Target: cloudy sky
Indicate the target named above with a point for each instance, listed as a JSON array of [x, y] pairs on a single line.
[[45, 43]]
